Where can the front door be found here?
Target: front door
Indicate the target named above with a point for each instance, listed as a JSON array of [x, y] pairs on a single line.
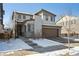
[[57, 32], [19, 30]]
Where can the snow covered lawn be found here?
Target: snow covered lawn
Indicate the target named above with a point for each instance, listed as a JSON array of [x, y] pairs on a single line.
[[73, 51], [76, 49], [46, 42], [13, 45]]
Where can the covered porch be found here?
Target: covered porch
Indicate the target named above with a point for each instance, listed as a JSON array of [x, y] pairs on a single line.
[[19, 29]]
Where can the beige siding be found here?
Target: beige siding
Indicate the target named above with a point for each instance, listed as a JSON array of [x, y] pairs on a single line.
[[71, 22]]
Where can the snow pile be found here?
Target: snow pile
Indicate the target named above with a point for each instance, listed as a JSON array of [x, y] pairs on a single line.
[[46, 42], [76, 40], [13, 44]]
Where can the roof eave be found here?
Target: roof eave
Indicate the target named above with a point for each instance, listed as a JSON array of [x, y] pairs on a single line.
[[45, 11]]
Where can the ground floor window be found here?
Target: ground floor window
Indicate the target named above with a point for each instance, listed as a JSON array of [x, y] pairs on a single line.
[[29, 27], [25, 28]]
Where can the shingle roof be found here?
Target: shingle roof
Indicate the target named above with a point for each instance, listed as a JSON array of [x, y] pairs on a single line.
[[24, 13]]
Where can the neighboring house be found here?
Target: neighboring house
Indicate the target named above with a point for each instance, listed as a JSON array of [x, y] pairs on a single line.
[[69, 24], [1, 14], [8, 31], [41, 24], [1, 18]]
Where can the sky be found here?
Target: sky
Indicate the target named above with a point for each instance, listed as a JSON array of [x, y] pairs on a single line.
[[58, 9]]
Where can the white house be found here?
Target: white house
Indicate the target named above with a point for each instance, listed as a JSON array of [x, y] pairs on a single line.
[[69, 23], [40, 24]]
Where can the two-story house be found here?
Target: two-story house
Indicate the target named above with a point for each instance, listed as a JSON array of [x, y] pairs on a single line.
[[40, 24]]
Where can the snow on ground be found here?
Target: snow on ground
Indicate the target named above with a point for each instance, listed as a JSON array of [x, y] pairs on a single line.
[[46, 42], [76, 39], [72, 38], [52, 53], [73, 51], [13, 44]]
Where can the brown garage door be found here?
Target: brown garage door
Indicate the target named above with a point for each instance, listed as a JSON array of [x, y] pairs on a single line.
[[49, 32]]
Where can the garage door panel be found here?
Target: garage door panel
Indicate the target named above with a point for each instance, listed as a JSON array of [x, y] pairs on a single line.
[[49, 32]]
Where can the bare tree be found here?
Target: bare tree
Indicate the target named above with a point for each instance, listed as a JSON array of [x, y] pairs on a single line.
[[68, 29]]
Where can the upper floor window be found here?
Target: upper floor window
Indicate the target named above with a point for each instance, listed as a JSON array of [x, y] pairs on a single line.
[[66, 23], [24, 17], [46, 18], [30, 17], [62, 23], [19, 16], [52, 19], [74, 21]]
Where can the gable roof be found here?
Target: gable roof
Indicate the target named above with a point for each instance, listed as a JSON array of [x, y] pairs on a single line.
[[60, 19], [45, 11], [24, 13], [63, 17]]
